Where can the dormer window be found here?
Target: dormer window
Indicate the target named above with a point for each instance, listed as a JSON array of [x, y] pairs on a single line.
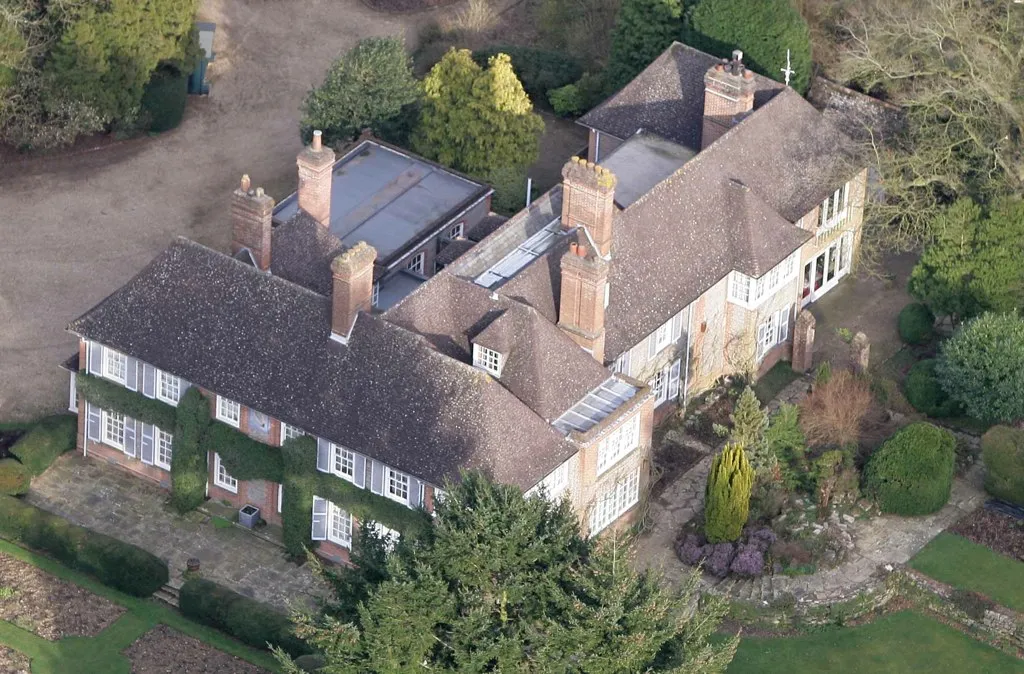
[[488, 359]]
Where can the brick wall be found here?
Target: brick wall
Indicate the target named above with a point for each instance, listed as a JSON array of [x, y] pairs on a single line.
[[114, 456]]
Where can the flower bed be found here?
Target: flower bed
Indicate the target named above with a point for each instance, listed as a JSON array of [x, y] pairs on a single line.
[[13, 662], [163, 650], [996, 531]]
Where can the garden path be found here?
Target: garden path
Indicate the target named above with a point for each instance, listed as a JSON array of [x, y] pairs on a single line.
[[104, 498], [878, 542]]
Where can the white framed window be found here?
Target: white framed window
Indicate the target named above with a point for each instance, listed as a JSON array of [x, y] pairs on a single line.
[[221, 477], [388, 535], [554, 484], [396, 486], [487, 359], [750, 292], [375, 294], [739, 287], [618, 444], [340, 526], [289, 432], [658, 387], [662, 337], [456, 231], [229, 411], [343, 462], [665, 383], [416, 264], [835, 209], [774, 330], [619, 498], [280, 497], [164, 448], [113, 429], [115, 365], [621, 365], [168, 387]]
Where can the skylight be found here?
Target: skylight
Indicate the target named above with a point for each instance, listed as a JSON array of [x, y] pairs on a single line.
[[524, 254], [595, 406]]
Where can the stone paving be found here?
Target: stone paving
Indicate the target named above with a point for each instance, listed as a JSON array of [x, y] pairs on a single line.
[[104, 498], [878, 541]]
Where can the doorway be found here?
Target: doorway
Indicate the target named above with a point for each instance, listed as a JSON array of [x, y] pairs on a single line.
[[823, 272]]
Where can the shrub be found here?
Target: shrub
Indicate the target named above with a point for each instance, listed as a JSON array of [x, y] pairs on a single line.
[[248, 620], [163, 101], [916, 324], [912, 472], [749, 561], [188, 458], [727, 498], [47, 440], [924, 392], [833, 412], [120, 565], [835, 478], [566, 101], [982, 367], [539, 70], [973, 604], [719, 559], [14, 477], [1002, 449]]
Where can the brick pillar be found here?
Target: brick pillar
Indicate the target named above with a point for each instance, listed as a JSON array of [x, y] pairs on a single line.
[[728, 96], [588, 201], [581, 309], [315, 164], [860, 353], [803, 341], [353, 287], [252, 212]]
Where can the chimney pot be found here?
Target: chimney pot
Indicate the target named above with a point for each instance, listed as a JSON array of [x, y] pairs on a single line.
[[572, 247], [737, 55], [316, 164], [317, 140], [244, 186], [259, 191], [748, 74], [581, 250], [719, 67]]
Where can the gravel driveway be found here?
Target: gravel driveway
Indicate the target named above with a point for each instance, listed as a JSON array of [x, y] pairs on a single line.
[[75, 228]]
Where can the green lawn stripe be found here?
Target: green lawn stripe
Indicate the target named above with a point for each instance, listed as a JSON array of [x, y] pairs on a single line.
[[956, 561]]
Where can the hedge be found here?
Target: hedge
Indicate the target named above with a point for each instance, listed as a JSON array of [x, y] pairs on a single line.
[[912, 472], [120, 565], [538, 70], [188, 456], [924, 392], [111, 396], [250, 621], [1002, 449], [14, 477], [164, 99], [916, 324], [47, 440], [243, 457]]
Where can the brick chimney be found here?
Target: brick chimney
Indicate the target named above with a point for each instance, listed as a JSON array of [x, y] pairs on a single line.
[[728, 96], [588, 201], [252, 211], [353, 288], [581, 309], [315, 163]]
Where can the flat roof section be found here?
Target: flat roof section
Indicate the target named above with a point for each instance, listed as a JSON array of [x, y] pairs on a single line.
[[388, 198], [643, 161]]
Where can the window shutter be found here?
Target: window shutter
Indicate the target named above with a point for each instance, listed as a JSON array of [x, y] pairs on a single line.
[[146, 450], [319, 532], [360, 471], [673, 380], [130, 437], [131, 376], [377, 478], [94, 422], [415, 491], [784, 323], [760, 337], [148, 380], [183, 386], [677, 326], [323, 455], [627, 358], [652, 344], [95, 358]]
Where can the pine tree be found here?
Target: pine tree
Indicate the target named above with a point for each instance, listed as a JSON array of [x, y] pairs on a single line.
[[643, 29], [477, 120], [749, 423], [366, 88], [727, 498], [508, 583]]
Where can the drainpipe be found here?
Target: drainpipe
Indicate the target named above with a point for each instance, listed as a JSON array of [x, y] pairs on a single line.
[[686, 367]]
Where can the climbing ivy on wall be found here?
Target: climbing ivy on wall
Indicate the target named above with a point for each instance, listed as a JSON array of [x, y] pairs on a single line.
[[293, 465]]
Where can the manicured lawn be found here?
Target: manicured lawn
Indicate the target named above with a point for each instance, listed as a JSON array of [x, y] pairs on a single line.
[[956, 561], [774, 380], [898, 643], [102, 653]]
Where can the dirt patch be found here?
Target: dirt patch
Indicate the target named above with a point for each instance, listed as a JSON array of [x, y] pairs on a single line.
[[13, 662], [406, 6], [999, 532], [163, 650], [48, 606], [673, 459]]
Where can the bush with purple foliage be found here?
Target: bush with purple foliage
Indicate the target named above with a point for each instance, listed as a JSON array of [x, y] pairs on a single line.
[[721, 557], [749, 560], [762, 538], [691, 550]]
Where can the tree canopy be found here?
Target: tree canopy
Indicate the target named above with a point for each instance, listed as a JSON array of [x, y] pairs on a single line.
[[507, 583], [476, 119], [643, 29], [974, 263], [366, 87], [762, 29]]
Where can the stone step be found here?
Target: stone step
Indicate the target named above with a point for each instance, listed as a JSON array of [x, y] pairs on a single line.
[[175, 583], [167, 595]]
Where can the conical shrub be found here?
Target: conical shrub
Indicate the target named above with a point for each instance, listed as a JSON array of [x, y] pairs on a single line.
[[727, 497]]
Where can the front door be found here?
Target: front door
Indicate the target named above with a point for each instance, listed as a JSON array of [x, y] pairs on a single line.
[[823, 272]]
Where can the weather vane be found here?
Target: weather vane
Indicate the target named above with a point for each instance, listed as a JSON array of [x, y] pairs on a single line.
[[787, 71]]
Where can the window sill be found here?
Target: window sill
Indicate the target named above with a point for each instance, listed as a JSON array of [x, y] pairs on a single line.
[[233, 490]]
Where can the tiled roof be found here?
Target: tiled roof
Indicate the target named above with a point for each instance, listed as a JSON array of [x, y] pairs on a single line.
[[667, 98], [857, 115], [301, 251], [263, 341], [453, 250]]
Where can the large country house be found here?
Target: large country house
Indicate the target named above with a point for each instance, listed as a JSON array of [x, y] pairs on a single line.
[[719, 203]]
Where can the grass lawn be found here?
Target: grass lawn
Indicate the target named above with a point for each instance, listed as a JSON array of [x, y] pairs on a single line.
[[956, 561], [102, 653], [898, 643], [774, 380]]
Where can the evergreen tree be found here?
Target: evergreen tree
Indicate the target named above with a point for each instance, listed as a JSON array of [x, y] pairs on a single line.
[[643, 29], [508, 583], [762, 29], [477, 120], [367, 87], [749, 423], [974, 262], [727, 498]]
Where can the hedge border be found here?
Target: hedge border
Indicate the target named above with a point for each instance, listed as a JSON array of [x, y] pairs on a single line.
[[111, 396]]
